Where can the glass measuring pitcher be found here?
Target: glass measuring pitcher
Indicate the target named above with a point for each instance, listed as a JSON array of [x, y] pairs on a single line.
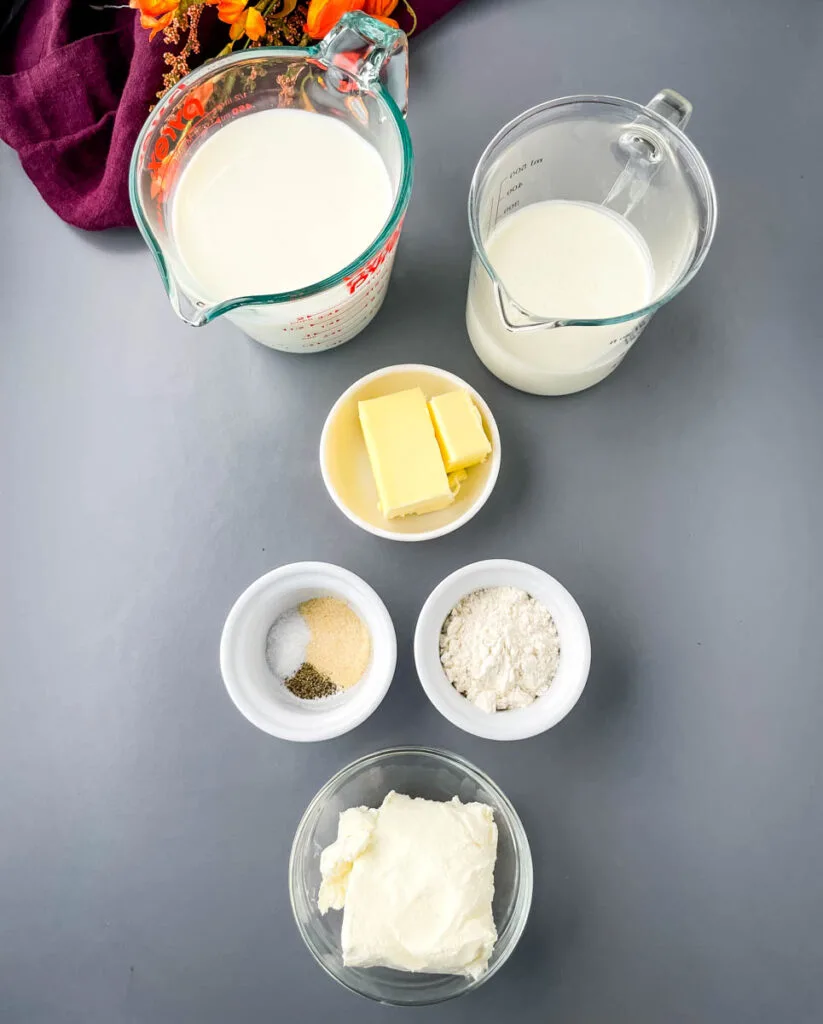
[[628, 163], [358, 75]]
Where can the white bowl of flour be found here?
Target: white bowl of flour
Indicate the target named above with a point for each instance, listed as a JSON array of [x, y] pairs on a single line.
[[517, 631]]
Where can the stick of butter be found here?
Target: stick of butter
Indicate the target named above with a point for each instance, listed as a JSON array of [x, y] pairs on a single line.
[[459, 430], [404, 454]]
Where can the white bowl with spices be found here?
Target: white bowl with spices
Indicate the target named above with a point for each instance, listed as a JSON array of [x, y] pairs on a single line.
[[268, 656], [560, 649]]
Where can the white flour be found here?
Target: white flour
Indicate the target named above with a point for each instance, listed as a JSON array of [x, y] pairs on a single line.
[[499, 647]]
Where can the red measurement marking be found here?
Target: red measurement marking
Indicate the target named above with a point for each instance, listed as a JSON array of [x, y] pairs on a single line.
[[375, 263]]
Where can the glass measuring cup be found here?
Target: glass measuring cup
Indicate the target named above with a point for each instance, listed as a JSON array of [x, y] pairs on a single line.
[[619, 156], [358, 74]]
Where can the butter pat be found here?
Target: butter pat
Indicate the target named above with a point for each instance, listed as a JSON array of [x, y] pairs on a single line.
[[404, 454], [459, 430], [416, 880], [456, 479]]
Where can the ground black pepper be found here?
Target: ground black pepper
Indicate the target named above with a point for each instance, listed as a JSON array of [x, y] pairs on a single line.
[[309, 684]]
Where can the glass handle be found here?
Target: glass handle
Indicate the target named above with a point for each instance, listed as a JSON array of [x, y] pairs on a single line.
[[371, 53], [673, 106], [644, 150]]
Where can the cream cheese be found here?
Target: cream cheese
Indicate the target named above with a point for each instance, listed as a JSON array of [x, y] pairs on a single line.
[[415, 879]]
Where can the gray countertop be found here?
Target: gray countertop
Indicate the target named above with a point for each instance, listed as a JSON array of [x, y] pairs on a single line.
[[151, 471]]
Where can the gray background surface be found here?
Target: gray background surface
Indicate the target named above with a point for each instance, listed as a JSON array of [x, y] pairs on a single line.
[[151, 471]]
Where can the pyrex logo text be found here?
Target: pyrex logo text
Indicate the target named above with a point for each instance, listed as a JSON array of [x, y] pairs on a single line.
[[189, 110], [375, 263]]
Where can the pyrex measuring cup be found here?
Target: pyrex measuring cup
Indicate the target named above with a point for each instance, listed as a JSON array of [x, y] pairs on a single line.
[[358, 75], [632, 160]]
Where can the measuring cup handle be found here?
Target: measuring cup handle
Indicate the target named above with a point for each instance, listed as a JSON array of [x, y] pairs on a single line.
[[369, 52], [673, 106], [645, 149]]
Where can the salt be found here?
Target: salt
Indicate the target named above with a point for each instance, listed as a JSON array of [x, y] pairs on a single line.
[[286, 644]]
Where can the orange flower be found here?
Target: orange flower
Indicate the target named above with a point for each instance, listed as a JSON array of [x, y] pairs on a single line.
[[156, 24], [155, 14], [379, 8], [323, 15], [255, 25], [230, 11], [242, 19], [153, 8], [380, 11]]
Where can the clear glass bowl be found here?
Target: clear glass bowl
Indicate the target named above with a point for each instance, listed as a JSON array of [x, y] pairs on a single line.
[[416, 771]]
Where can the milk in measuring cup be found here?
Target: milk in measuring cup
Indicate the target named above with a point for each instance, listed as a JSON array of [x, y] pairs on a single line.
[[560, 259], [276, 201]]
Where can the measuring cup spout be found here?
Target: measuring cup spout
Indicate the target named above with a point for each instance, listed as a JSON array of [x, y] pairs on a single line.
[[192, 311], [528, 322]]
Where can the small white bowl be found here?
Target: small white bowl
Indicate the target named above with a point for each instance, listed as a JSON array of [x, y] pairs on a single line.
[[572, 671], [256, 691], [344, 461]]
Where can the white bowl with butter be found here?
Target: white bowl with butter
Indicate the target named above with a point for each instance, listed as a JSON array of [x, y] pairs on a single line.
[[572, 668], [347, 472], [260, 696]]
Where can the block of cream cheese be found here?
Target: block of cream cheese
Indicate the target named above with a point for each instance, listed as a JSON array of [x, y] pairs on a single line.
[[415, 879], [459, 430], [404, 454]]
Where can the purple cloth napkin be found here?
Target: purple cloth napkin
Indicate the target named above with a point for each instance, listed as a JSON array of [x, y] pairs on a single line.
[[76, 85]]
